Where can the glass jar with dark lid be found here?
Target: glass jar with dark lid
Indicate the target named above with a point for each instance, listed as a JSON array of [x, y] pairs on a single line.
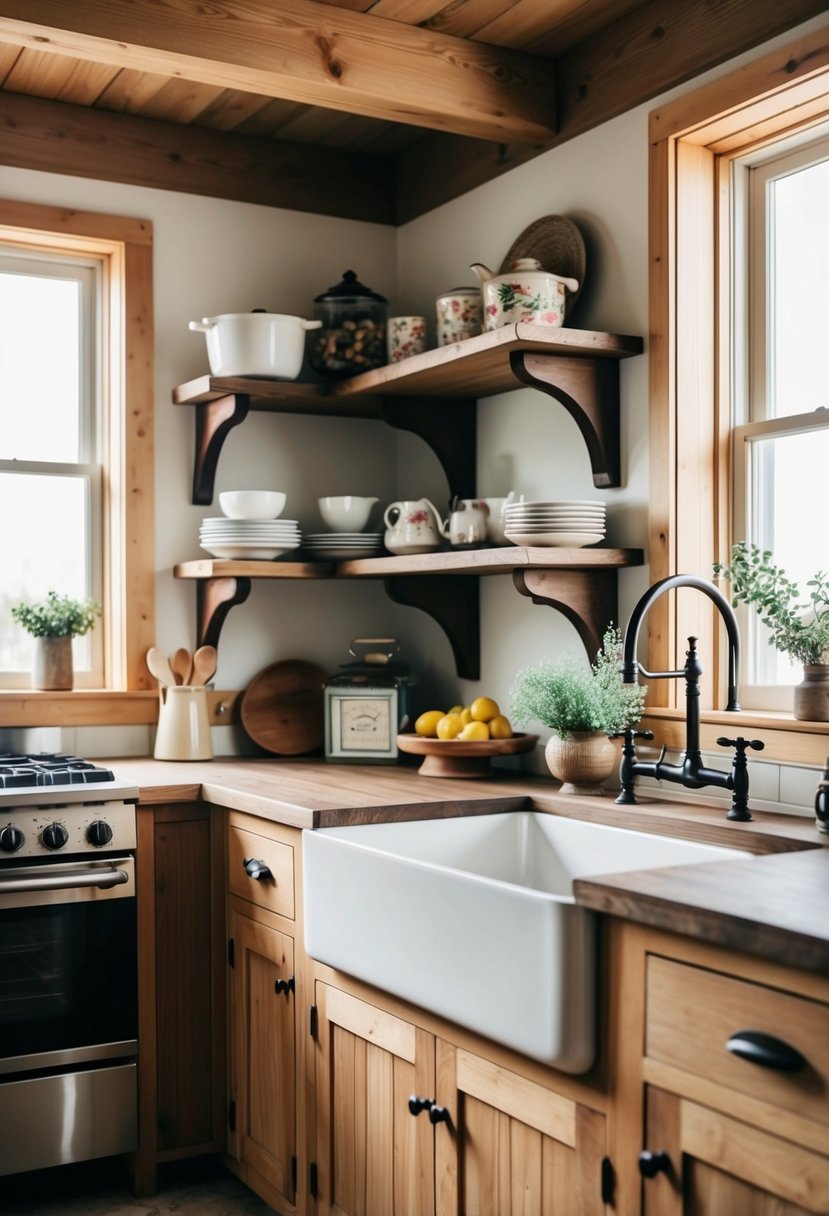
[[353, 334]]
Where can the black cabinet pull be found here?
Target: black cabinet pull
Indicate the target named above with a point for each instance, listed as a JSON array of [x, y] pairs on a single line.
[[256, 869], [651, 1164], [285, 986], [416, 1105], [438, 1114], [766, 1050]]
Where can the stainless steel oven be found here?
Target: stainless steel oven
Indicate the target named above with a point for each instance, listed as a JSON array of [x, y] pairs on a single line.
[[68, 963]]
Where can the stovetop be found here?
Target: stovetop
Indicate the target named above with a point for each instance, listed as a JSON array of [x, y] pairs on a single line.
[[49, 768]]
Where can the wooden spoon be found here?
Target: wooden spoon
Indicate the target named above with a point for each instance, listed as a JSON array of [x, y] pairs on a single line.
[[182, 664], [159, 666], [204, 664]]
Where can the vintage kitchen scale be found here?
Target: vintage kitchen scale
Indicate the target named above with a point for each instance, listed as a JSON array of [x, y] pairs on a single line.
[[366, 703]]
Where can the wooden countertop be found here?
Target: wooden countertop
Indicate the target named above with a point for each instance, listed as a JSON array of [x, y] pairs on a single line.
[[771, 905]]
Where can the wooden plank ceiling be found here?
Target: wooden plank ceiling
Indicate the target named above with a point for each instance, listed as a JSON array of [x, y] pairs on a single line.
[[377, 110]]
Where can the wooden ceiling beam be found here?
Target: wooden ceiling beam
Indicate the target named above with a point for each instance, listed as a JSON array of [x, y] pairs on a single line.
[[308, 52], [57, 137], [648, 50]]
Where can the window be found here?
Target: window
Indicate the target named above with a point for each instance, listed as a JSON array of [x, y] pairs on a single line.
[[781, 392], [729, 433], [76, 449], [50, 459]]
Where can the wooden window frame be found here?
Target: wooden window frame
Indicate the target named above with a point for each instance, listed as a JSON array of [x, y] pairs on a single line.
[[125, 245], [692, 143]]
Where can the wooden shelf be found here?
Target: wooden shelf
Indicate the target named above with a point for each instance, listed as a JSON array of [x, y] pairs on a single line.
[[433, 395], [579, 583]]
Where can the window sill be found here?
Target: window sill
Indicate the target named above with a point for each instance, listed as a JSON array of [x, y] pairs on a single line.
[[100, 707], [787, 740]]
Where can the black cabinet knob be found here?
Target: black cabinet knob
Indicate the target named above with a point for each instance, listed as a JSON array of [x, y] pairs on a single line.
[[256, 869], [651, 1164], [416, 1105], [438, 1114], [285, 986], [766, 1050]]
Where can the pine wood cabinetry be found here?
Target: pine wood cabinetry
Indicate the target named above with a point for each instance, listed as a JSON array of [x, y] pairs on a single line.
[[182, 1022], [412, 1124], [267, 1012], [735, 1076]]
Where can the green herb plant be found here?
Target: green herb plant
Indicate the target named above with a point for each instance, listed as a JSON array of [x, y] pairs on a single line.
[[799, 627], [57, 616], [563, 695]]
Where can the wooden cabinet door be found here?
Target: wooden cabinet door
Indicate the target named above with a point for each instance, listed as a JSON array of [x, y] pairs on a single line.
[[722, 1167], [263, 1064], [373, 1157], [512, 1147]]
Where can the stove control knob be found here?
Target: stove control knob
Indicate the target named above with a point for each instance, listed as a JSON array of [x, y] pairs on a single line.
[[54, 836], [11, 839], [99, 833]]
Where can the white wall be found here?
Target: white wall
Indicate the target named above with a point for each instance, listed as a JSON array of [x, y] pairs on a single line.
[[215, 256]]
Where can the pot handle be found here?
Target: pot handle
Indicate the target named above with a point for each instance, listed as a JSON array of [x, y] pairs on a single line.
[[570, 284], [314, 325], [201, 327]]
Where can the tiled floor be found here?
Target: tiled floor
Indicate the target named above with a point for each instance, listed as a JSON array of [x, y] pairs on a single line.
[[99, 1189]]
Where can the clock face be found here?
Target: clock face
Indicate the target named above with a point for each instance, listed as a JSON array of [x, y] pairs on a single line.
[[365, 724]]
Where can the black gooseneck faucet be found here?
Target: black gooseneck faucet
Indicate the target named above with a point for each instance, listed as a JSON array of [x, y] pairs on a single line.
[[690, 772]]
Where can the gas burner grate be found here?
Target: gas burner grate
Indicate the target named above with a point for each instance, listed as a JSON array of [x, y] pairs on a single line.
[[49, 768]]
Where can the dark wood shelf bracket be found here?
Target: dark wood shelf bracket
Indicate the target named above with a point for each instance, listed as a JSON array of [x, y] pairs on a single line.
[[589, 391], [449, 426], [214, 421], [453, 601], [587, 598], [214, 599]]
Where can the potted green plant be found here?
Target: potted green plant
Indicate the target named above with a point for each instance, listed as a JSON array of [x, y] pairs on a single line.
[[798, 622], [583, 707], [53, 623]]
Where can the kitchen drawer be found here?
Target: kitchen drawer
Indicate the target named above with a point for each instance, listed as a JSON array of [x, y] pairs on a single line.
[[275, 891], [693, 1012]]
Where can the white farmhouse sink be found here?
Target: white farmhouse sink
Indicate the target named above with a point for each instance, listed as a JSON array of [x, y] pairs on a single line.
[[473, 918]]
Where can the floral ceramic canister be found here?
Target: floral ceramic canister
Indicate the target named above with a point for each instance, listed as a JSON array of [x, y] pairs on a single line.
[[407, 336], [459, 315], [526, 294]]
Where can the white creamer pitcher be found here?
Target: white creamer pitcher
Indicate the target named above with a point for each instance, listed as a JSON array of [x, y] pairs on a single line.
[[183, 724], [412, 526]]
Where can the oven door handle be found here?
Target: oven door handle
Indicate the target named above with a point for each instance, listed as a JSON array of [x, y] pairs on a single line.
[[105, 876]]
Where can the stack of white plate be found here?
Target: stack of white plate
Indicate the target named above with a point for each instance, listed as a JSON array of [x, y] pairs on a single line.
[[342, 546], [569, 524], [242, 539]]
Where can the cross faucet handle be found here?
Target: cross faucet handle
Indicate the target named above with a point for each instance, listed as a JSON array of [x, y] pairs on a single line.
[[741, 744]]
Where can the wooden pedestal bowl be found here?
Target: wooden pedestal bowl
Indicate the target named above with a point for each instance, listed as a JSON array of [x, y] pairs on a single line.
[[459, 758]]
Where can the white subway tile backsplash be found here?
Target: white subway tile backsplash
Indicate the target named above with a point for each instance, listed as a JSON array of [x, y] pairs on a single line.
[[798, 785]]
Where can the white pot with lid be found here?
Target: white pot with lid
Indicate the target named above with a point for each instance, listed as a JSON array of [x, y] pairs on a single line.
[[258, 343], [525, 294]]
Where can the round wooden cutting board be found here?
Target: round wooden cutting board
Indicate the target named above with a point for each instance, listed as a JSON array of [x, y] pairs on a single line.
[[283, 709]]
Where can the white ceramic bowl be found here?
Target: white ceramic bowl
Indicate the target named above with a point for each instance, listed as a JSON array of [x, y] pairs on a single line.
[[345, 512], [252, 504]]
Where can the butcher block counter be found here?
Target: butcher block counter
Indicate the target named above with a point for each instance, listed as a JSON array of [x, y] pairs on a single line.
[[771, 905]]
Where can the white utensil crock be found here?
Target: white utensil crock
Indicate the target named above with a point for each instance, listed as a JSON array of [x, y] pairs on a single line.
[[183, 724]]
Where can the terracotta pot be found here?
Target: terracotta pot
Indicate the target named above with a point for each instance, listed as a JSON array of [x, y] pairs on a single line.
[[811, 697], [582, 761], [53, 663]]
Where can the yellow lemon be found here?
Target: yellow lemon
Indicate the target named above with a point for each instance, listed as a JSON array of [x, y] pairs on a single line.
[[484, 709], [474, 732], [456, 709], [500, 728], [449, 726], [466, 716], [426, 724]]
